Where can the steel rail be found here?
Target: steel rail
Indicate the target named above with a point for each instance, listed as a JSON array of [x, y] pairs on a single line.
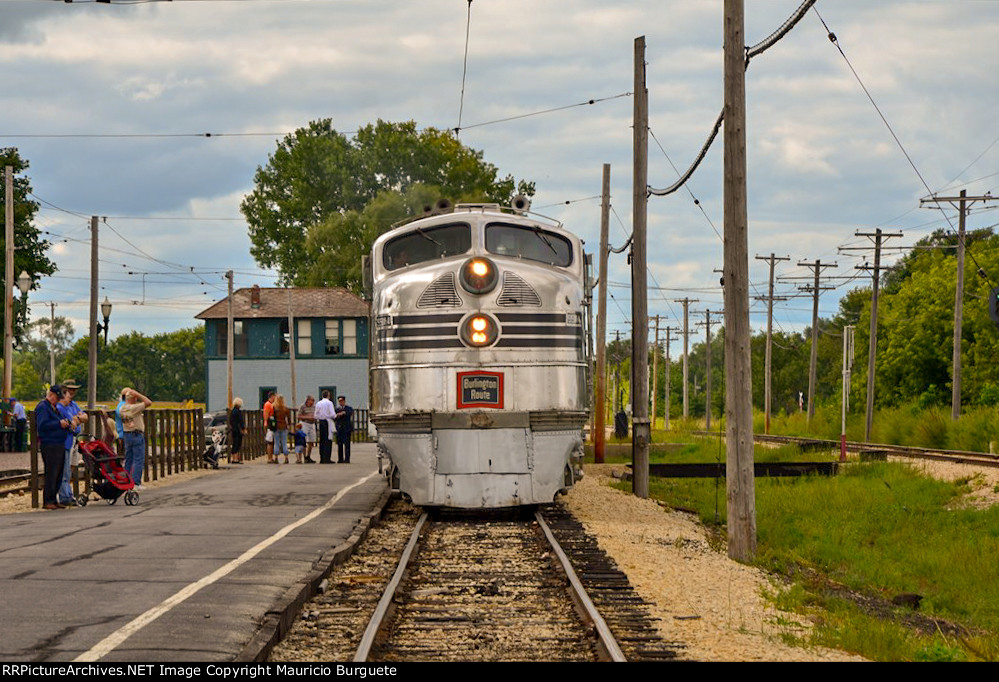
[[604, 634], [958, 456], [368, 639], [911, 450]]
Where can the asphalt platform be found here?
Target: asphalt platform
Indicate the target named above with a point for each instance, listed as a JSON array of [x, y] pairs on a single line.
[[210, 569]]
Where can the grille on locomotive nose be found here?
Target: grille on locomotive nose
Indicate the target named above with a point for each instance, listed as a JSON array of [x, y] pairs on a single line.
[[517, 292], [440, 294]]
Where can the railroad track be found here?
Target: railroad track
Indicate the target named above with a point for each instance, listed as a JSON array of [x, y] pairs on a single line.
[[9, 479], [958, 456], [500, 586]]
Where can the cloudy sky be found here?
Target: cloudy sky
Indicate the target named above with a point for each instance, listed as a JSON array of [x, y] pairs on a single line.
[[107, 102]]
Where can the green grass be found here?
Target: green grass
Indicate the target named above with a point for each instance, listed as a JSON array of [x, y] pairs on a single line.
[[930, 427], [876, 530]]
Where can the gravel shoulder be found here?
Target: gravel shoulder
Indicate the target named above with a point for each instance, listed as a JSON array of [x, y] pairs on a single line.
[[702, 598]]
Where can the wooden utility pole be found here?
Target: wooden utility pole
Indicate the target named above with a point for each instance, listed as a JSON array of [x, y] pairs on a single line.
[[640, 432], [94, 273], [767, 397], [655, 374], [847, 369], [686, 344], [52, 373], [814, 288], [291, 349], [963, 206], [668, 368], [229, 345], [8, 329], [740, 482], [600, 409], [878, 235], [707, 364]]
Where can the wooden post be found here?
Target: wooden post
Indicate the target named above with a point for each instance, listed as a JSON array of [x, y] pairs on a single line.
[[36, 479], [229, 347], [655, 375], [94, 273], [8, 329], [767, 397], [639, 290], [600, 410], [963, 205], [740, 482]]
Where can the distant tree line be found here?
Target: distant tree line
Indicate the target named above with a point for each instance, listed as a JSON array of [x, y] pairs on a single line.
[[168, 366], [914, 349]]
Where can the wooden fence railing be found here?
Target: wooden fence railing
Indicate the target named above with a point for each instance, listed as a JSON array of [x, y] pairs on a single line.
[[175, 442]]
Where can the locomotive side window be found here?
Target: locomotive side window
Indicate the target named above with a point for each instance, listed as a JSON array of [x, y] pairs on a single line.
[[425, 244], [531, 243]]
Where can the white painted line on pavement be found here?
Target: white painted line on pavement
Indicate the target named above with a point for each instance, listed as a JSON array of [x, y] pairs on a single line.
[[113, 640]]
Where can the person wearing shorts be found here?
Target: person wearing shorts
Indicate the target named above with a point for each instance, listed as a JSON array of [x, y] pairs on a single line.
[[307, 414]]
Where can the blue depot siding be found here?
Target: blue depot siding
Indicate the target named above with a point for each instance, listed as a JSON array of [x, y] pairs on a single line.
[[259, 361], [264, 338], [349, 375]]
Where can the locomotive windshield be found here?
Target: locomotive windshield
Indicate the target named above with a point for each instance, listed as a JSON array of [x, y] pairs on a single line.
[[531, 243], [430, 243]]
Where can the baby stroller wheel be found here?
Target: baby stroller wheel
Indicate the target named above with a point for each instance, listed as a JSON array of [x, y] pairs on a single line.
[[131, 498], [112, 500]]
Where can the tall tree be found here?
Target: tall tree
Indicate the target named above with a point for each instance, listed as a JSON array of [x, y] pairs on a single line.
[[29, 247], [317, 174], [168, 366]]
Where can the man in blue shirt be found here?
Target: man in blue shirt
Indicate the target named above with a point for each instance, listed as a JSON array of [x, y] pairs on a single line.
[[20, 422], [70, 410], [52, 429]]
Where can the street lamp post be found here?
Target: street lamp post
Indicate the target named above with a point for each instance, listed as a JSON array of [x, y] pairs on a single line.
[[24, 286], [106, 314]]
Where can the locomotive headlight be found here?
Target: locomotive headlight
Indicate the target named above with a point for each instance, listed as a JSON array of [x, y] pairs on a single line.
[[479, 330], [478, 275]]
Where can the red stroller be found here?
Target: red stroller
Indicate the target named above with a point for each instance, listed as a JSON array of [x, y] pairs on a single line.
[[110, 480]]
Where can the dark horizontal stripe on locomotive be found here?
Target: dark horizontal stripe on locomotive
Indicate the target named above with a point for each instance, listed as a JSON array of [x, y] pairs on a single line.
[[541, 330], [441, 318], [525, 342], [531, 317], [505, 342], [418, 344], [432, 332]]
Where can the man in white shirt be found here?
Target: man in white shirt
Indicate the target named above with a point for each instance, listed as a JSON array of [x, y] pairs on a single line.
[[325, 412]]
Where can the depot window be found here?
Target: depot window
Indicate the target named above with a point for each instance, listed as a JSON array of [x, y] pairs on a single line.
[[529, 243]]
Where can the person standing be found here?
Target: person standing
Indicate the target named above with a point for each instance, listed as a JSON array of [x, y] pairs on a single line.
[[344, 421], [118, 427], [324, 419], [299, 443], [282, 419], [68, 409], [52, 428], [237, 427], [307, 415], [20, 422], [268, 411], [135, 433]]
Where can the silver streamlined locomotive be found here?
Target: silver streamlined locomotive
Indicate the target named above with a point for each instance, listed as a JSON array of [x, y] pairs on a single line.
[[478, 361]]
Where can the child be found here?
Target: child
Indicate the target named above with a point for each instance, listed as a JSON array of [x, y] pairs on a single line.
[[299, 442]]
